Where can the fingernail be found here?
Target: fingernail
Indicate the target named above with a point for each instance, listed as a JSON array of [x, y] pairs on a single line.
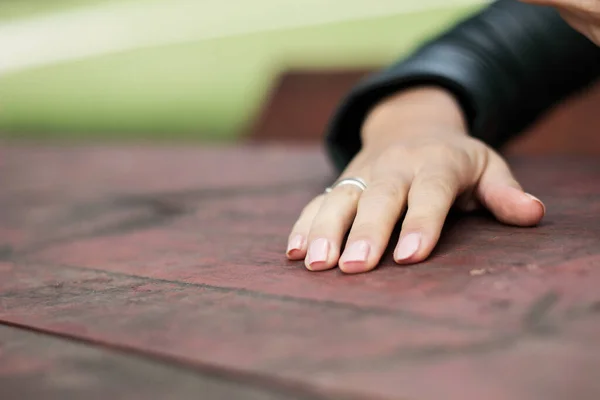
[[407, 246], [318, 252], [532, 197], [295, 244], [357, 252]]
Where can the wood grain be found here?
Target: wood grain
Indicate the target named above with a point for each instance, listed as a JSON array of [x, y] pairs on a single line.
[[178, 254], [37, 366]]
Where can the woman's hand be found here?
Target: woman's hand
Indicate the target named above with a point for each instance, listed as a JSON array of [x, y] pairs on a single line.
[[583, 15], [418, 157]]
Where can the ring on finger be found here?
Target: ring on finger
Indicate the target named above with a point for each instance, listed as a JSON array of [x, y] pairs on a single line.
[[354, 181]]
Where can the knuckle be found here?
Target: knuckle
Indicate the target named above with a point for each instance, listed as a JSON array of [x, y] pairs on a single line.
[[439, 185], [453, 156], [449, 148], [437, 150], [393, 155], [386, 191], [427, 151]]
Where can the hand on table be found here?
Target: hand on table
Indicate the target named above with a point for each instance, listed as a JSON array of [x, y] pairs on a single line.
[[416, 157]]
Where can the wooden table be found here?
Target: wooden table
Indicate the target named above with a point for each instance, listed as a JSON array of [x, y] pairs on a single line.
[[155, 273]]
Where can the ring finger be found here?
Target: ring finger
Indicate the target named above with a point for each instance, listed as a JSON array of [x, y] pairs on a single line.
[[329, 227]]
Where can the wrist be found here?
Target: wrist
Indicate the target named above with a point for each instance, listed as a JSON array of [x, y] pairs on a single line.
[[404, 113]]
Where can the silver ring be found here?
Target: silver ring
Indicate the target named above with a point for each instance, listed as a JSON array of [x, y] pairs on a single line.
[[358, 182]]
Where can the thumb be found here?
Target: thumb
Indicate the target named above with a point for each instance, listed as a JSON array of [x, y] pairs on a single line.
[[500, 193]]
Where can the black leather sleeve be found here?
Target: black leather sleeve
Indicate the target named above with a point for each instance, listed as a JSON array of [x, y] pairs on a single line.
[[506, 65]]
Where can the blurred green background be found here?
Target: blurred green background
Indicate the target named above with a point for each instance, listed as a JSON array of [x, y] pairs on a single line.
[[198, 88]]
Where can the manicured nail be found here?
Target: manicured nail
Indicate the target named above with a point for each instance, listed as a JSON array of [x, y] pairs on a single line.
[[318, 253], [407, 246], [295, 244], [354, 258], [357, 252], [532, 197]]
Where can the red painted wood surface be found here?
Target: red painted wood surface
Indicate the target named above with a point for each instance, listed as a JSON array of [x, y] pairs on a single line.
[[37, 366], [178, 254]]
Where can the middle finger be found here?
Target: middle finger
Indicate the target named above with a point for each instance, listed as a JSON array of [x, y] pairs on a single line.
[[378, 212]]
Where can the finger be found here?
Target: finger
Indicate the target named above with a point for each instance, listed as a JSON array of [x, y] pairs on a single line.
[[500, 193], [379, 209], [330, 226], [430, 198], [297, 241]]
